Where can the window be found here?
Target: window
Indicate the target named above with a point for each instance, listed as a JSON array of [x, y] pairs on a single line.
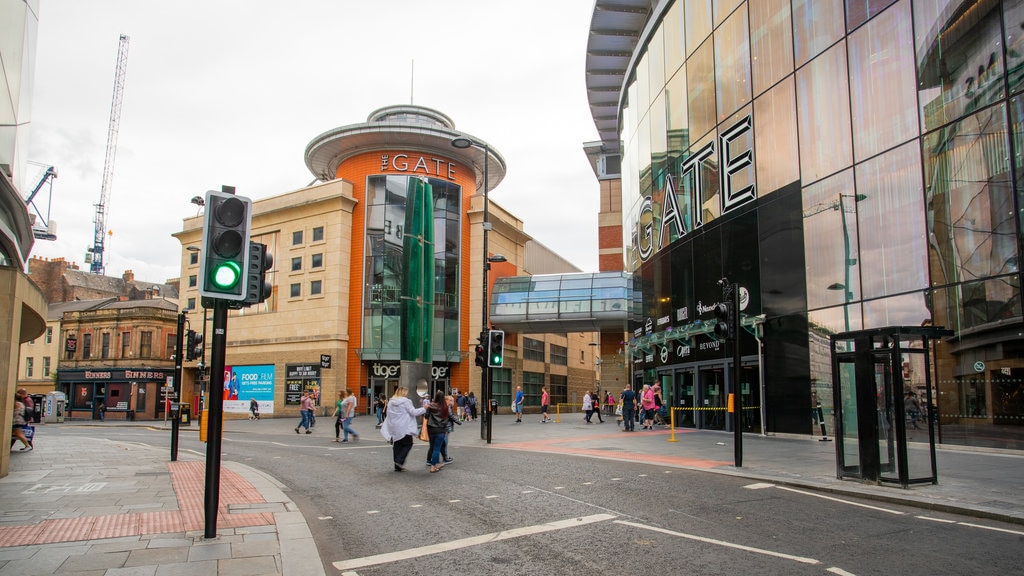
[[560, 355], [126, 344], [297, 238], [192, 281], [86, 346], [316, 261], [318, 234], [145, 344], [296, 290], [191, 303], [46, 366], [171, 345], [315, 287], [105, 345], [49, 334], [296, 264], [533, 349], [29, 361], [193, 258]]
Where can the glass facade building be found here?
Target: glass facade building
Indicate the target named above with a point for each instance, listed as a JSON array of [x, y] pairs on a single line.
[[850, 165]]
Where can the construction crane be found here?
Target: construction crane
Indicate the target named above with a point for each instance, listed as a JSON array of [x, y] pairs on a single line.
[[42, 230], [95, 256]]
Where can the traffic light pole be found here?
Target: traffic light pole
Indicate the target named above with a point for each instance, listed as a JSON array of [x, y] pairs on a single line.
[[737, 423], [214, 423], [179, 356]]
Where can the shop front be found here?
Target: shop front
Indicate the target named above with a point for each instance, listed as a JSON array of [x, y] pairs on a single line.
[[119, 394], [382, 378]]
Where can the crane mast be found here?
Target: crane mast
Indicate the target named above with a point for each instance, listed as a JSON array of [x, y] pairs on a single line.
[[97, 266]]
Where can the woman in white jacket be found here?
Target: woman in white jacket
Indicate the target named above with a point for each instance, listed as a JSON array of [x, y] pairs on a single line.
[[400, 427]]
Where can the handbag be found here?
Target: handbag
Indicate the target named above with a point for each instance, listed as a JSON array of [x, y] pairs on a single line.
[[30, 432], [423, 432]]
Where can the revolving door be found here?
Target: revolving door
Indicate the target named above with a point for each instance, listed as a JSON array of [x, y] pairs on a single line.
[[873, 401]]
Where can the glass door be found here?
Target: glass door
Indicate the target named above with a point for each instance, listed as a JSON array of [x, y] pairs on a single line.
[[847, 436], [750, 396], [686, 399], [712, 397], [887, 455]]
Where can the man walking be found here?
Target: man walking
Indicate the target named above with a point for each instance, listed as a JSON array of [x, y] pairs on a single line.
[[628, 406]]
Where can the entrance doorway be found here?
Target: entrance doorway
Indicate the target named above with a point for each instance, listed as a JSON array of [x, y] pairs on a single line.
[[699, 394]]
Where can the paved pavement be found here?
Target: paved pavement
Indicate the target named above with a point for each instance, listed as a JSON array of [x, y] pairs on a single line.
[[99, 506]]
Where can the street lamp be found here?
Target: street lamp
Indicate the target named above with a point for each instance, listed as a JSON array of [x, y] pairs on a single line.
[[485, 380], [848, 261]]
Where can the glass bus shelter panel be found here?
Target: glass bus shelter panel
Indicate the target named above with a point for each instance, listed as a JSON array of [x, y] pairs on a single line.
[[712, 391], [888, 465], [847, 436]]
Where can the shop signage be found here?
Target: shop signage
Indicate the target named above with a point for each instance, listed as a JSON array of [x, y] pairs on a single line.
[[115, 375], [301, 378], [426, 165]]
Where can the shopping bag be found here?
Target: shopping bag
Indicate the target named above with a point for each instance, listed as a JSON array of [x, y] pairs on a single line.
[[423, 432], [30, 432]]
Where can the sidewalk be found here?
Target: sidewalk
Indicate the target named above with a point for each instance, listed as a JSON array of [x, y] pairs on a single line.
[[118, 508]]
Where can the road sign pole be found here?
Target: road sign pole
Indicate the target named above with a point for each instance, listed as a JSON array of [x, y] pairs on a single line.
[[215, 419], [179, 354]]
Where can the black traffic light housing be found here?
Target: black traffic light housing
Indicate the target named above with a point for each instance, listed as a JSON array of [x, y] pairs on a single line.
[[257, 289], [190, 336], [195, 347], [224, 266], [495, 348], [481, 350], [724, 320]]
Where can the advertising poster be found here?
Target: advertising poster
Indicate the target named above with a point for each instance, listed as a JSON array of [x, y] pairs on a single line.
[[243, 383], [301, 378]]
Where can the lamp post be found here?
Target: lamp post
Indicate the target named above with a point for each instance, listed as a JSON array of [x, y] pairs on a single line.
[[485, 372], [848, 261]]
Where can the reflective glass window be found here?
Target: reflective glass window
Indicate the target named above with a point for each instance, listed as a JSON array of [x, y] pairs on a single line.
[[732, 70], [883, 99], [971, 227], [823, 115], [860, 11], [1013, 18], [659, 140], [830, 242], [643, 136], [675, 39], [735, 147], [976, 304], [723, 8], [903, 310], [889, 209], [675, 104], [771, 42], [704, 173], [700, 90], [643, 87], [1017, 123], [817, 24], [697, 17], [775, 140], [959, 71], [656, 62]]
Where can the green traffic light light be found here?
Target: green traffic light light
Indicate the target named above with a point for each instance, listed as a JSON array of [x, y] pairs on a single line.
[[226, 275]]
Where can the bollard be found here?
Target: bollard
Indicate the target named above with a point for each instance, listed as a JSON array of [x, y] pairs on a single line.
[[672, 425], [558, 413], [821, 420]]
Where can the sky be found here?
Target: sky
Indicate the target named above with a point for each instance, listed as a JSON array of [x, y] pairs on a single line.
[[230, 92]]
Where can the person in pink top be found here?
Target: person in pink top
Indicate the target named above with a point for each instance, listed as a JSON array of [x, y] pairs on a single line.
[[545, 399], [648, 405]]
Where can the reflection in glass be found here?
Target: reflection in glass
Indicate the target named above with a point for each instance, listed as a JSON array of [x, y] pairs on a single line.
[[830, 247], [1017, 124], [974, 304], [675, 39], [675, 103], [960, 67], [656, 62], [1013, 16], [882, 92], [861, 11], [697, 17], [771, 42], [817, 24], [890, 217], [904, 310], [732, 64], [970, 205], [700, 91], [823, 114], [775, 144]]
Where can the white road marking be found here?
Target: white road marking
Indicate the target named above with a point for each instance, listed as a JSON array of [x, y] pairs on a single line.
[[454, 501], [325, 517], [373, 511], [991, 528], [782, 555], [350, 573], [822, 496], [389, 557], [840, 571], [758, 486], [491, 496], [937, 519], [416, 506]]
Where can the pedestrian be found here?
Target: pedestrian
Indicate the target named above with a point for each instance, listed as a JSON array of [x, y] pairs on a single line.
[[658, 419], [254, 409], [588, 407], [628, 399], [378, 407], [597, 406], [517, 404], [471, 403], [545, 398], [610, 403], [306, 410], [18, 426], [913, 407], [399, 427], [30, 406], [103, 410], [344, 412], [460, 405], [438, 415], [648, 407]]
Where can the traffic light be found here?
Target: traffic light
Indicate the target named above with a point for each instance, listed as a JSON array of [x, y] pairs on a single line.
[[225, 263], [723, 320], [190, 339], [495, 348], [196, 348], [481, 351], [257, 289]]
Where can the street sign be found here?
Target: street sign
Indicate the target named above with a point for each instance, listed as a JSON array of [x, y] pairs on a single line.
[[325, 360]]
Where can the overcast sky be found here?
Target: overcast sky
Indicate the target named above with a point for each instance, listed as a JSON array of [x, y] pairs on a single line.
[[231, 92]]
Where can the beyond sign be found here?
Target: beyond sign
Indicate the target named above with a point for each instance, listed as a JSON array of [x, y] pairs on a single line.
[[649, 240]]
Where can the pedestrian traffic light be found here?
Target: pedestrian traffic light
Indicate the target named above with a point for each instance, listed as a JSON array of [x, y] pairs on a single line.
[[225, 263], [257, 289], [190, 337], [723, 320], [196, 349], [495, 348], [481, 350]]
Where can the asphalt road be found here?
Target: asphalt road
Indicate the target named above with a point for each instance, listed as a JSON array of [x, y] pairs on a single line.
[[499, 512]]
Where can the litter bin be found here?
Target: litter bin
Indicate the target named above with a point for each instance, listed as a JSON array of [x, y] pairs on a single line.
[[185, 414]]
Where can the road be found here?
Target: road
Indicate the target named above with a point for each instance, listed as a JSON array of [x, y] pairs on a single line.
[[499, 512]]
